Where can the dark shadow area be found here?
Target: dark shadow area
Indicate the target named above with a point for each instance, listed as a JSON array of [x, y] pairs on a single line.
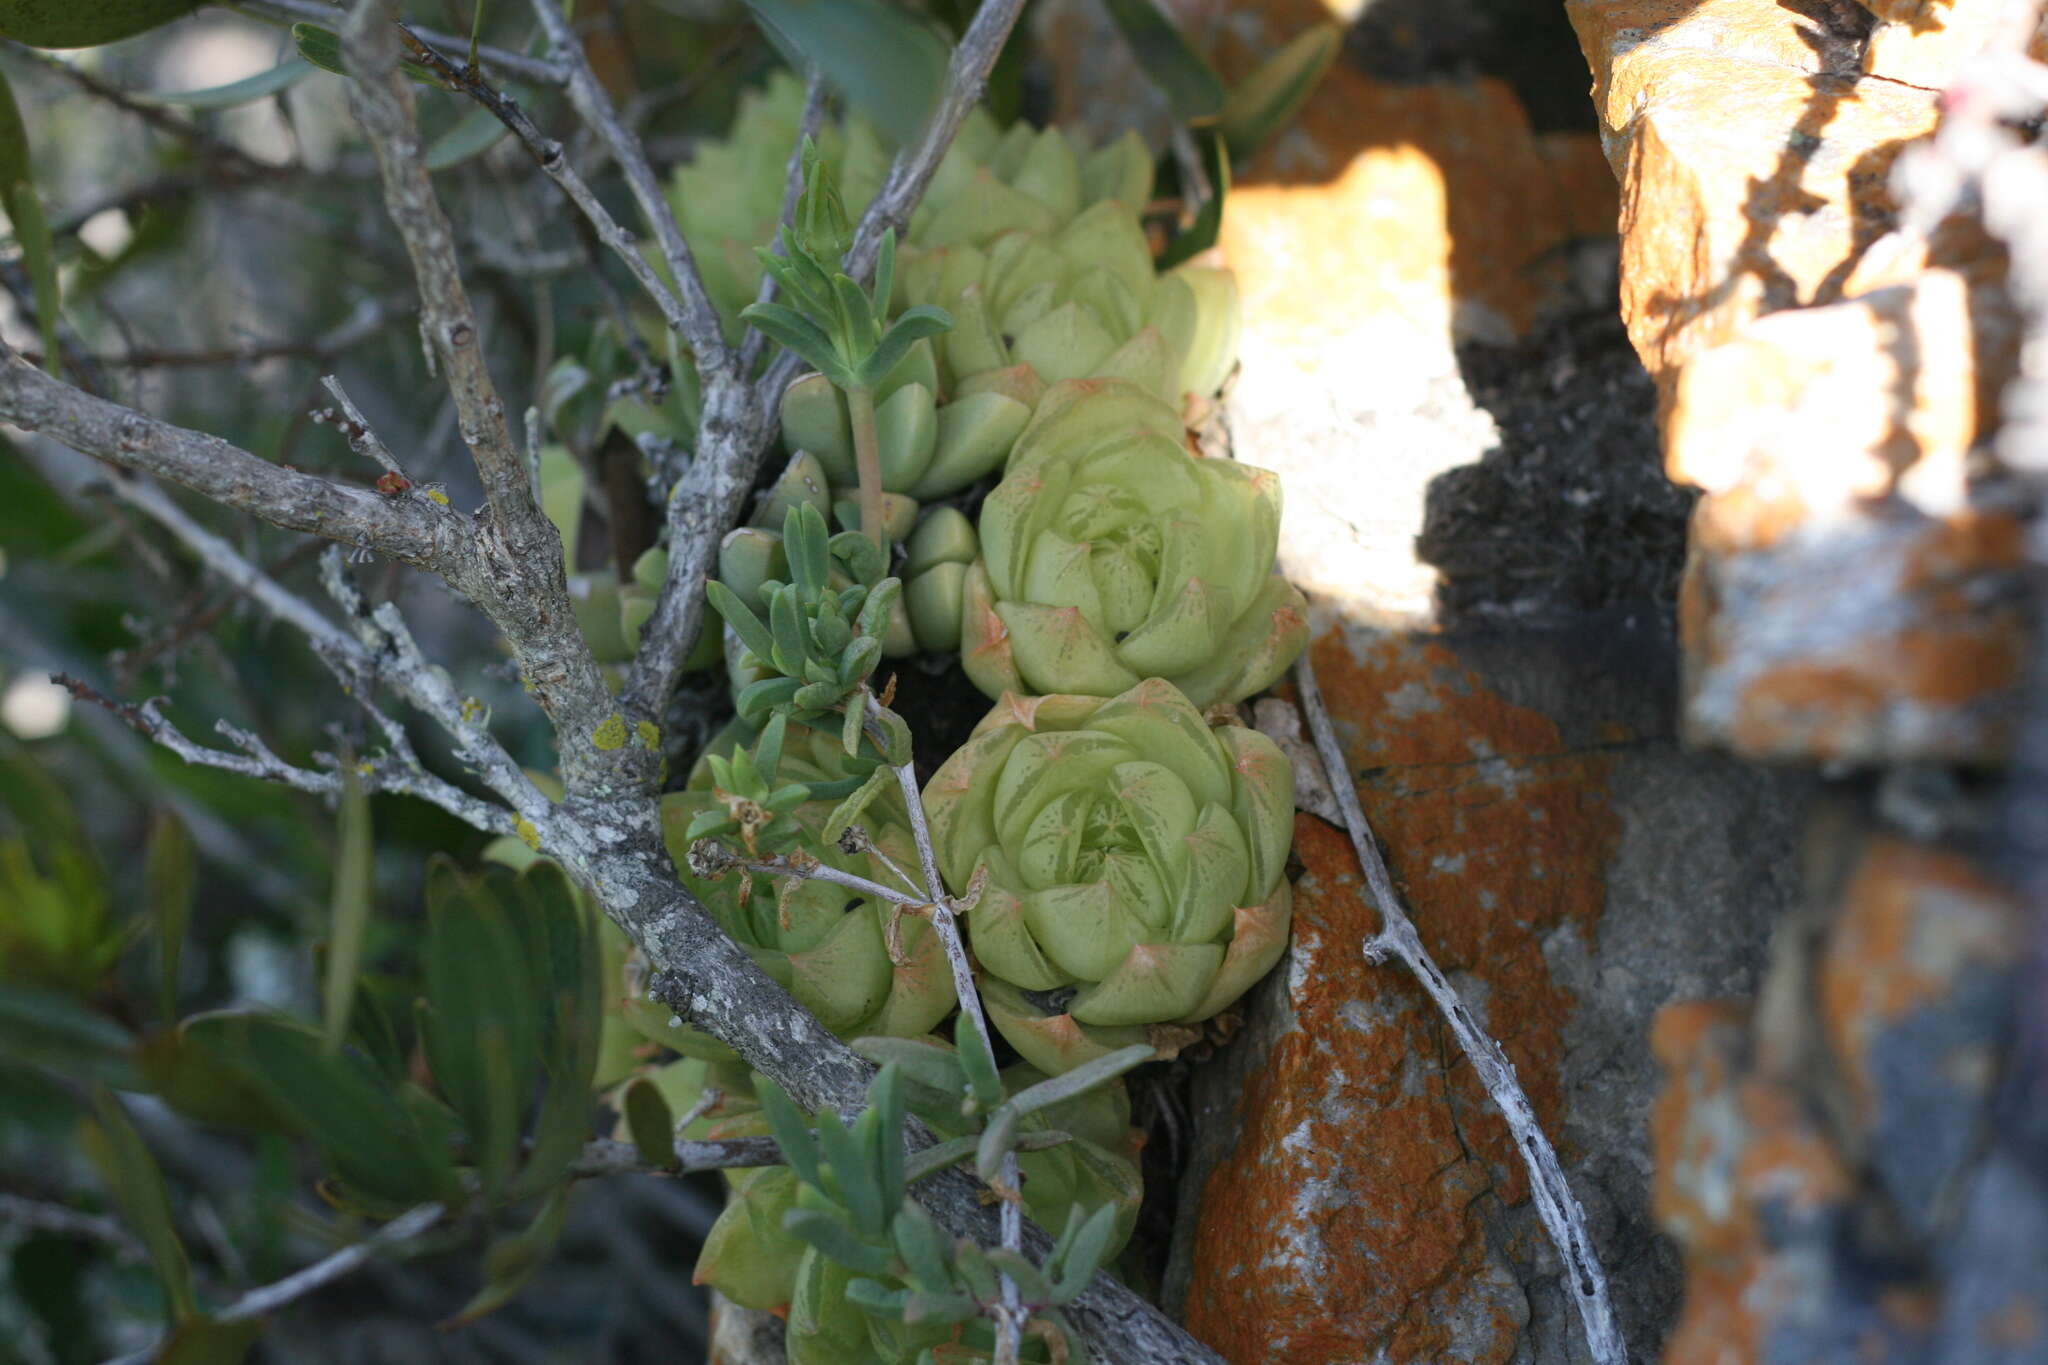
[[1571, 512], [1527, 43]]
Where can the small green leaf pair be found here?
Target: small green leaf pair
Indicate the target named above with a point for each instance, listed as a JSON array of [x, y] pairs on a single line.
[[830, 322]]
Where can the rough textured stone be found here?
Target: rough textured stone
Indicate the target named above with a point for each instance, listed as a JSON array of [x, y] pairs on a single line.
[[1925, 42], [1361, 1199], [1782, 418], [1817, 1155], [1753, 160], [1878, 637], [1914, 986]]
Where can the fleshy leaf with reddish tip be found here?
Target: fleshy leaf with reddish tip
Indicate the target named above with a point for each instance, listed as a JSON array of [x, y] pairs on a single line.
[[1116, 843]]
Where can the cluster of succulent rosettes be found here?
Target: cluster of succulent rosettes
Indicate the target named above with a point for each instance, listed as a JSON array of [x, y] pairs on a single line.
[[1110, 554], [857, 963], [752, 1259], [1064, 287], [1132, 860]]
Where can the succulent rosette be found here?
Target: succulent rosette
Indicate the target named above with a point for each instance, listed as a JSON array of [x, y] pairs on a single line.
[[1111, 554], [848, 958], [1131, 862]]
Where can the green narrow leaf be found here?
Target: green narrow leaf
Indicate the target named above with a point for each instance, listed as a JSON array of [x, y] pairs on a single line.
[[349, 916], [885, 1094], [85, 23], [844, 814], [283, 76], [1082, 1078], [1189, 83], [481, 1025], [996, 1139], [925, 320], [369, 1137], [741, 618], [793, 331], [320, 46], [929, 1161], [169, 869], [567, 966], [475, 133], [792, 1134], [1201, 234], [138, 1187], [837, 1241], [921, 1246], [785, 620], [977, 1062], [18, 191], [1267, 100], [652, 1126], [852, 1170], [1083, 1253]]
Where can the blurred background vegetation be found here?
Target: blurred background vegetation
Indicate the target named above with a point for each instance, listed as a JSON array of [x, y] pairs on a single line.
[[218, 254]]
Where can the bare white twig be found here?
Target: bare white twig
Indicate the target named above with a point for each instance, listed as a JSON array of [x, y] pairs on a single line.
[[412, 530], [521, 582], [261, 1303], [1555, 1203], [966, 80], [1010, 1220], [805, 870]]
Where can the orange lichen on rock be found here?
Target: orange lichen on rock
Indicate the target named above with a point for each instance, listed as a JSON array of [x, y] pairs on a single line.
[[1914, 918], [1352, 1224], [1728, 1145]]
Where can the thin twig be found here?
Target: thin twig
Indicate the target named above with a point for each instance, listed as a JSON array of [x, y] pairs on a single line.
[[801, 870], [698, 323], [398, 773], [412, 530], [547, 153], [606, 1157], [538, 70], [1010, 1316], [261, 1303], [1555, 1203], [355, 428]]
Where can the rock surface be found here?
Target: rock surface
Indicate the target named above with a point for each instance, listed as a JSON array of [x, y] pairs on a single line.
[[1573, 871], [1807, 1149]]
